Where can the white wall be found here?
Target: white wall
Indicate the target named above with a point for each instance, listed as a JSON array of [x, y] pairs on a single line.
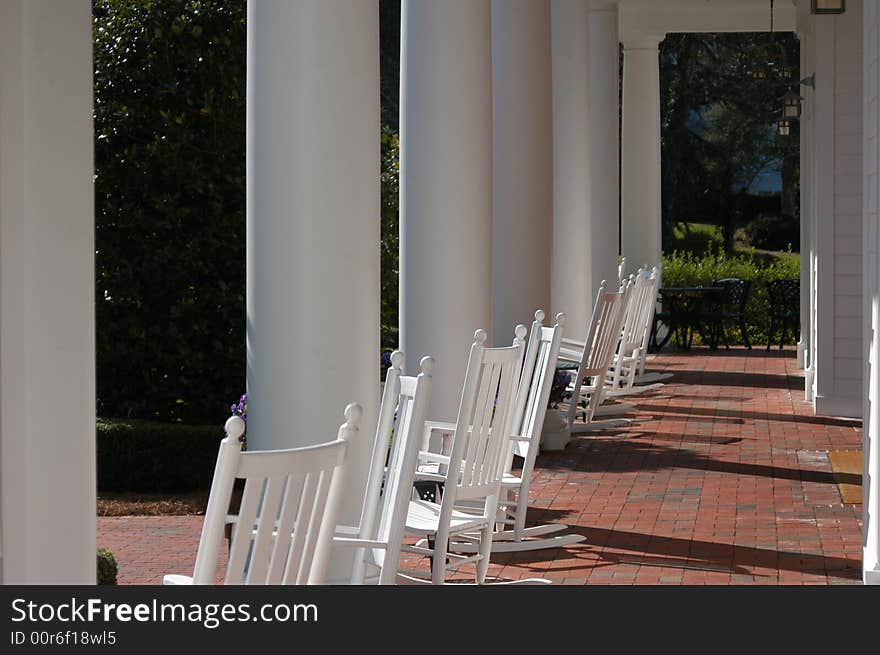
[[838, 219], [47, 325]]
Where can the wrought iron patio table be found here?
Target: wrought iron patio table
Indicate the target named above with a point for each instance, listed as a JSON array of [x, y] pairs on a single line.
[[683, 309]]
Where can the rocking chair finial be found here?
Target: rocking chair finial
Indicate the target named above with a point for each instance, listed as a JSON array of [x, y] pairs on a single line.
[[234, 427], [353, 413], [427, 365]]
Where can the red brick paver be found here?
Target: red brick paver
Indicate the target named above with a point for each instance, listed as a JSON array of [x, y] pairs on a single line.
[[723, 478]]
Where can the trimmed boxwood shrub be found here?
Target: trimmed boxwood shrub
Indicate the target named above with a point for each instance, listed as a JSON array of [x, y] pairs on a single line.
[[773, 232], [107, 568], [136, 455]]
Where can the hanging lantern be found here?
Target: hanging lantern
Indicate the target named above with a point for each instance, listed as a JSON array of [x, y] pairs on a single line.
[[783, 127], [791, 105], [760, 72], [786, 71], [828, 6]]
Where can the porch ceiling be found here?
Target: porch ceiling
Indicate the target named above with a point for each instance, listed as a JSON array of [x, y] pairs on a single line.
[[649, 17]]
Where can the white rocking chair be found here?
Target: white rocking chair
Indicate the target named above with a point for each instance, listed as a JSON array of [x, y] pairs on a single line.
[[532, 397], [473, 467], [643, 377], [379, 537], [631, 351], [299, 487], [594, 358]]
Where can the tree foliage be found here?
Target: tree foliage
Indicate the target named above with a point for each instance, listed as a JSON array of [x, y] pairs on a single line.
[[718, 122], [170, 202]]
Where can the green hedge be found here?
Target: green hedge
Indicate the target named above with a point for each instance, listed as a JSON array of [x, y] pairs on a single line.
[[107, 567], [772, 232], [135, 455], [687, 268]]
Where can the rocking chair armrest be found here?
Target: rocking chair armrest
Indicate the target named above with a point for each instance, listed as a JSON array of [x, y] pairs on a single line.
[[574, 342], [519, 437], [569, 355], [444, 429], [422, 476], [343, 531], [439, 426], [428, 456], [358, 543]]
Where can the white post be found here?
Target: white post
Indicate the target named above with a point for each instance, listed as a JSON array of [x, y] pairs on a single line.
[[641, 210], [445, 187], [313, 225], [604, 142], [522, 179], [572, 288], [871, 264], [804, 24], [47, 300], [824, 134], [808, 133]]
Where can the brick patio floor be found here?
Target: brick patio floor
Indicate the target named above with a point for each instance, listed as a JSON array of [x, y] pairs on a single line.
[[723, 478]]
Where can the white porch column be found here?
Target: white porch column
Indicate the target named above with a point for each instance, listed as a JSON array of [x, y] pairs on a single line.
[[871, 262], [313, 224], [522, 180], [572, 288], [640, 180], [445, 187], [604, 142], [47, 305]]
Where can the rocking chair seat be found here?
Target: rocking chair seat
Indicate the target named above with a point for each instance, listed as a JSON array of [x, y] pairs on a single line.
[[424, 518], [510, 481], [175, 579]]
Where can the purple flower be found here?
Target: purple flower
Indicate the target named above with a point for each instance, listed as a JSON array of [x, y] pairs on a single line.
[[240, 409]]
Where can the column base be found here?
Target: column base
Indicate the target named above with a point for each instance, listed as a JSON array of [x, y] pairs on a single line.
[[838, 406], [871, 577]]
